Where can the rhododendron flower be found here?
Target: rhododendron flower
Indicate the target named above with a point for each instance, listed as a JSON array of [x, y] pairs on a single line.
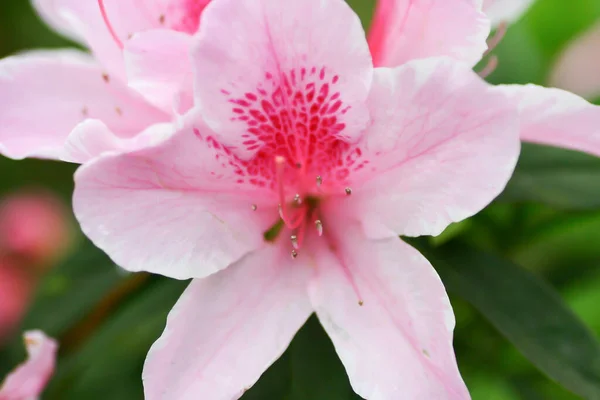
[[69, 105], [34, 227], [403, 30], [29, 380], [285, 192]]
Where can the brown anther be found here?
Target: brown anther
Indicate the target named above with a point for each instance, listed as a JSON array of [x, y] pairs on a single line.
[[161, 19], [294, 254], [319, 180], [297, 199], [106, 77], [84, 111], [294, 240], [254, 207], [348, 191], [119, 111], [361, 303]]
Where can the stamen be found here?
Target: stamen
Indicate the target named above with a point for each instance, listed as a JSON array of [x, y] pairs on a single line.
[[319, 226], [490, 67], [319, 180], [108, 25], [294, 240], [294, 254], [495, 40], [254, 207], [297, 199], [348, 191]]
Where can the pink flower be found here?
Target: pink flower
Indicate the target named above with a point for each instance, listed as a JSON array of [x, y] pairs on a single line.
[[407, 29], [68, 105], [576, 69], [284, 194], [29, 380], [34, 227]]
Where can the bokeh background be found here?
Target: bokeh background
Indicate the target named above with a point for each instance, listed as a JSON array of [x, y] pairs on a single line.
[[105, 319]]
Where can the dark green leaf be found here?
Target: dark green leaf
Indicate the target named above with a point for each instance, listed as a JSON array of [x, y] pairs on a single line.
[[109, 364], [564, 179], [525, 310], [70, 291]]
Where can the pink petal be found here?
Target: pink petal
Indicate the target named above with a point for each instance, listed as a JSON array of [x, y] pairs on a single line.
[[158, 66], [505, 10], [577, 67], [259, 64], [29, 379], [556, 117], [227, 329], [176, 209], [92, 138], [403, 30], [45, 95], [398, 343], [443, 144], [124, 18]]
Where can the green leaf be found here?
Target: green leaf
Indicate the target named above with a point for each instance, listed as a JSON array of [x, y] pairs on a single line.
[[70, 291], [109, 364], [526, 310], [561, 178], [309, 370]]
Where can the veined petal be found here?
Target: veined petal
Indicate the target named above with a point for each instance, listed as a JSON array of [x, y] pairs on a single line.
[[106, 34], [29, 379], [398, 343], [45, 95], [403, 30], [505, 10], [227, 329], [159, 67], [556, 117], [176, 209], [278, 66], [442, 146]]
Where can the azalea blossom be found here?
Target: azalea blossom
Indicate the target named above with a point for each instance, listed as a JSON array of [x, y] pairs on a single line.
[[73, 106], [29, 380], [429, 28], [284, 193]]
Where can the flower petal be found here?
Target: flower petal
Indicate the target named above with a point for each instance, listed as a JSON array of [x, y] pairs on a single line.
[[158, 66], [556, 117], [46, 94], [124, 18], [29, 379], [398, 343], [227, 329], [176, 209], [505, 10], [271, 58], [576, 69], [92, 138], [403, 30], [442, 145]]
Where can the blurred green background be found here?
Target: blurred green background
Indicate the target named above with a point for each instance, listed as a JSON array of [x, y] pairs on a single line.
[[106, 319]]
